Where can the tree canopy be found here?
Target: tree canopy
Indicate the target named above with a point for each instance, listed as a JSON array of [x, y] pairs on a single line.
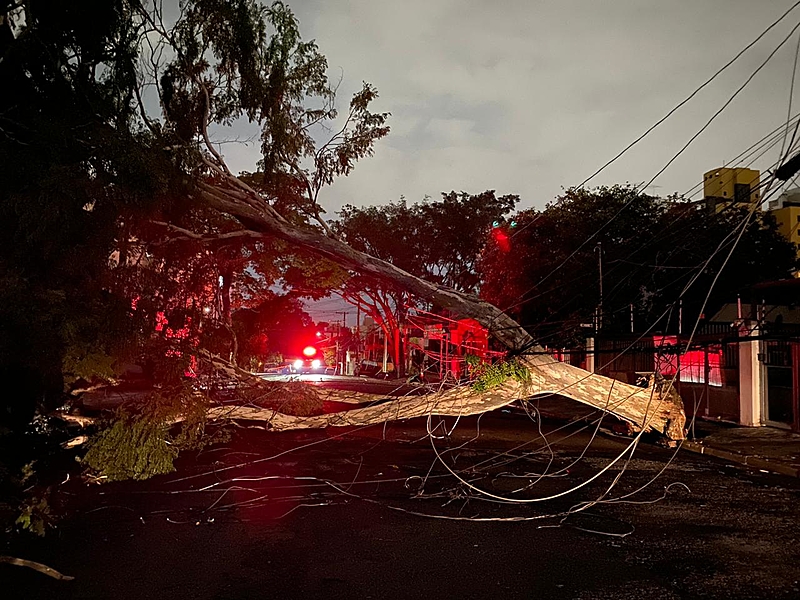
[[654, 253], [439, 241], [104, 124], [73, 173]]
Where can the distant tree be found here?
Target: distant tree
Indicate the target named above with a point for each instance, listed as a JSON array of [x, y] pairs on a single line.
[[439, 241], [655, 253], [455, 230]]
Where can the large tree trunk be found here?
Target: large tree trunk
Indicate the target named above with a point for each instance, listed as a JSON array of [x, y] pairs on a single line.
[[644, 409], [651, 409]]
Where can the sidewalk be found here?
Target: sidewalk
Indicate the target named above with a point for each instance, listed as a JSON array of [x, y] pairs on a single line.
[[764, 448]]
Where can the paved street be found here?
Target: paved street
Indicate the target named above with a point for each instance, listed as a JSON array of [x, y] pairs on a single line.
[[372, 513]]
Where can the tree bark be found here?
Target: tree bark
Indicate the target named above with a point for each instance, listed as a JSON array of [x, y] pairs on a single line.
[[645, 409], [659, 410], [458, 401]]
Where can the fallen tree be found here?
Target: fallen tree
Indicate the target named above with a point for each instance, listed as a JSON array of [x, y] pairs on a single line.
[[656, 408], [279, 107], [645, 408], [222, 65]]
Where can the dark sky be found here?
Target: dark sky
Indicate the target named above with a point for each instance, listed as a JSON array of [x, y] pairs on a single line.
[[530, 96]]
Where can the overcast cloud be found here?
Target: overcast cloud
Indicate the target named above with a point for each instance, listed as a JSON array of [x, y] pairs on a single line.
[[529, 97]]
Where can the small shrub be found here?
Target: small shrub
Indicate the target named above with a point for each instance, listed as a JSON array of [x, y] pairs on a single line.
[[35, 516]]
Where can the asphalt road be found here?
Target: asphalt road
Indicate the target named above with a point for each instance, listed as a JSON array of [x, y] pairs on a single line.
[[373, 513]]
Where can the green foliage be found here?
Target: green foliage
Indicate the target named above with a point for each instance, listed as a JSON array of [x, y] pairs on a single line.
[[472, 361], [241, 59], [308, 276], [35, 516], [24, 502], [132, 449], [437, 240], [140, 442], [86, 363], [489, 376]]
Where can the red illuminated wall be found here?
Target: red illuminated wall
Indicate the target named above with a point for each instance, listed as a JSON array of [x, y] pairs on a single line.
[[692, 363]]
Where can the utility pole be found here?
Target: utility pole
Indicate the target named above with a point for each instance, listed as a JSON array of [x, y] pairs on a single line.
[[631, 307], [385, 352], [345, 350], [337, 370], [599, 249], [358, 334], [680, 332]]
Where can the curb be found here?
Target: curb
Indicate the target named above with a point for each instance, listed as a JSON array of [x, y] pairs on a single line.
[[755, 462], [747, 460]]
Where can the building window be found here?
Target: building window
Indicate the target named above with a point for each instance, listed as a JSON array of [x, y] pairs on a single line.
[[741, 192]]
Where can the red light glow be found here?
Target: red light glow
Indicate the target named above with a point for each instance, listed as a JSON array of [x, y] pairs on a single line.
[[309, 351], [502, 239]]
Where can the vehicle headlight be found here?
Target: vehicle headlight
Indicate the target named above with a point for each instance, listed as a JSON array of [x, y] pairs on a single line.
[[298, 364], [316, 363]]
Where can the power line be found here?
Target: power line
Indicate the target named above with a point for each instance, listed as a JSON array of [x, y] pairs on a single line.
[[692, 95], [664, 168], [791, 94], [752, 153], [685, 101], [724, 106]]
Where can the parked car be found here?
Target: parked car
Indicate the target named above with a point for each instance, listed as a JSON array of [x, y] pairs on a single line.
[[373, 369]]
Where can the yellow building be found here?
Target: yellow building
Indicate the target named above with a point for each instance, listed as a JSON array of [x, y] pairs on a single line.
[[786, 211], [724, 186]]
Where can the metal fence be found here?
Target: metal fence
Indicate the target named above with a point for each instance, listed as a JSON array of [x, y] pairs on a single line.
[[706, 373]]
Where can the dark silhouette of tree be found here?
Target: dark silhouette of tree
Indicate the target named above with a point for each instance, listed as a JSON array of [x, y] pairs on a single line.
[[655, 253], [277, 326], [74, 169]]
